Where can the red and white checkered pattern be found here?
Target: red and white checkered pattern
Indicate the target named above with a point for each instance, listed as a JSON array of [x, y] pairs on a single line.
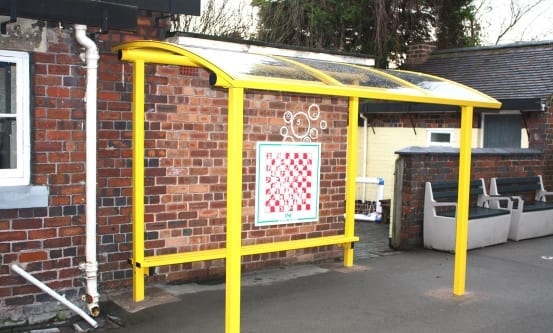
[[288, 182]]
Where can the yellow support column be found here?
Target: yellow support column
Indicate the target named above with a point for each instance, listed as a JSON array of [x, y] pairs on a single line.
[[461, 236], [138, 180], [234, 209], [351, 175]]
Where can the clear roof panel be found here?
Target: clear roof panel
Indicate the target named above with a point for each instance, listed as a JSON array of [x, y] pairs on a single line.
[[438, 87], [240, 64], [294, 71], [351, 75]]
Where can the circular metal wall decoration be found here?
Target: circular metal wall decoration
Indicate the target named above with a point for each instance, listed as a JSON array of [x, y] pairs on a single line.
[[303, 126]]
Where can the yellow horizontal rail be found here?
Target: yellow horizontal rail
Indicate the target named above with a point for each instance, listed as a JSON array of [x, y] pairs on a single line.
[[183, 257], [297, 244], [203, 255]]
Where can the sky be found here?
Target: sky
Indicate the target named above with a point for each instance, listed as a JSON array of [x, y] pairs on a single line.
[[534, 26]]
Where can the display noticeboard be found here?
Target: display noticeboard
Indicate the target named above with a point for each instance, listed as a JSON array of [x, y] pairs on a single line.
[[287, 182]]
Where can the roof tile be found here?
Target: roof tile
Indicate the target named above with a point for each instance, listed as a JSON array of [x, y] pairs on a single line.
[[515, 71]]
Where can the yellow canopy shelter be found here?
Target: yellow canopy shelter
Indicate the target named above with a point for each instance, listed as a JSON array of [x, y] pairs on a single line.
[[238, 70]]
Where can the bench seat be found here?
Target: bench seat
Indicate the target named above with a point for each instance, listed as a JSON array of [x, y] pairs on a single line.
[[532, 215], [486, 226], [533, 206], [477, 213]]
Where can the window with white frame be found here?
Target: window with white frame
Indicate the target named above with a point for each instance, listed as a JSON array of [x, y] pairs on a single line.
[[15, 148], [439, 137]]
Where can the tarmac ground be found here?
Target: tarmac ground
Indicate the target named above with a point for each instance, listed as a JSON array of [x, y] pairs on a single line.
[[509, 288]]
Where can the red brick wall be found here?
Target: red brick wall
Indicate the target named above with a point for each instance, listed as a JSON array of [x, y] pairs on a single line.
[[419, 120], [186, 131], [418, 53], [48, 242], [186, 148]]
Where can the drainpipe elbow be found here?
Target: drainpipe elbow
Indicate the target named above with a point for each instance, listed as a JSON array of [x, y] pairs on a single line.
[[92, 297]]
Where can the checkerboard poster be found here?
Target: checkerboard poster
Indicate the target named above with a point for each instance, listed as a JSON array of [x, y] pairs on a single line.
[[287, 182]]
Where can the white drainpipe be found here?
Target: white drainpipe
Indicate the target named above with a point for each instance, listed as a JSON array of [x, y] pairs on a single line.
[[91, 266], [52, 293]]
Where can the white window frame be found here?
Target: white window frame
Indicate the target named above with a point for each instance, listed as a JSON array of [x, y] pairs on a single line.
[[429, 141], [22, 173]]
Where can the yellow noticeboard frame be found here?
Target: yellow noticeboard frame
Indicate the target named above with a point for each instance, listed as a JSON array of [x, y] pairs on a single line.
[[140, 53]]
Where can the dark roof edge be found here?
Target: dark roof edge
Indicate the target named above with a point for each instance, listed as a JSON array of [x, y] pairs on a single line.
[[496, 47], [517, 104]]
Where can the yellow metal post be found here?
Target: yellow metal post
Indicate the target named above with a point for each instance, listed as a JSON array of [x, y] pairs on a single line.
[[138, 180], [234, 209], [351, 175], [461, 237]]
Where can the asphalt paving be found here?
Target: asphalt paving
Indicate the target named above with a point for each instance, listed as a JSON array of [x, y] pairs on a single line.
[[509, 288]]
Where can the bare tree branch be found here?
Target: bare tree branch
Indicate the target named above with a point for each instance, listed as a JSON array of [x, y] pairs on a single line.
[[218, 18], [518, 11]]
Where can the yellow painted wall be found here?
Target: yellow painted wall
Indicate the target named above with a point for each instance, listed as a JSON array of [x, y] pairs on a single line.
[[384, 141]]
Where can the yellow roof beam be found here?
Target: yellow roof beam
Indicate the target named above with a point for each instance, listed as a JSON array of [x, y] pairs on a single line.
[[157, 52], [155, 56]]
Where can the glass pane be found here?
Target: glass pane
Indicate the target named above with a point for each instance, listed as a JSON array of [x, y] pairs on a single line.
[[239, 64], [502, 131], [438, 87], [7, 88], [440, 137], [8, 144], [351, 75]]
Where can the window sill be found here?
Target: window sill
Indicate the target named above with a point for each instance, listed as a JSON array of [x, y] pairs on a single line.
[[24, 196]]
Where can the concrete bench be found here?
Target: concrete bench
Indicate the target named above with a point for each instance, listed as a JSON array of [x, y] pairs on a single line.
[[486, 226], [532, 215]]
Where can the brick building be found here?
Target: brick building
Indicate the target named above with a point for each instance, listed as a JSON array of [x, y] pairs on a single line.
[[42, 215], [43, 219], [42, 210]]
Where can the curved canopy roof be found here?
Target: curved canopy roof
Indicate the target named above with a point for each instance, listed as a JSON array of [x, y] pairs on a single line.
[[236, 68]]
